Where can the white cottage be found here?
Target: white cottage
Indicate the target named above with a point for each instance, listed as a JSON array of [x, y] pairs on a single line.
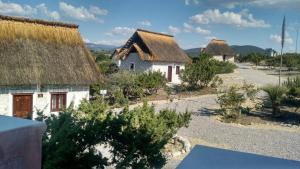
[[219, 50], [44, 66], [152, 51]]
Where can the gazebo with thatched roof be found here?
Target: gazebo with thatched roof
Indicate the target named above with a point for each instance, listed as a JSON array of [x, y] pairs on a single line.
[[219, 50], [44, 66], [152, 51]]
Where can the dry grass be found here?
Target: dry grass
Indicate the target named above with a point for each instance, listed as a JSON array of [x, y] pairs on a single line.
[[12, 30]]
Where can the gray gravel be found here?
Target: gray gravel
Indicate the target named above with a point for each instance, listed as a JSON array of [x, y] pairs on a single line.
[[203, 129]]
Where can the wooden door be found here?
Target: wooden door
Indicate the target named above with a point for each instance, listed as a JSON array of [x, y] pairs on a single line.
[[22, 106], [169, 73]]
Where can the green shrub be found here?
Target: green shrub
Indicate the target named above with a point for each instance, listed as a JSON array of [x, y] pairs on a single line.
[[199, 73], [151, 81], [231, 100], [275, 96], [70, 138], [138, 136], [293, 85], [224, 67], [217, 81]]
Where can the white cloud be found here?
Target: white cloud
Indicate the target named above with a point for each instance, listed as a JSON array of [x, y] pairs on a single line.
[[277, 39], [82, 13], [202, 31], [16, 9], [145, 23], [188, 2], [112, 42], [174, 30], [86, 40], [125, 31], [27, 10], [242, 19], [98, 11], [209, 38], [44, 10], [189, 28]]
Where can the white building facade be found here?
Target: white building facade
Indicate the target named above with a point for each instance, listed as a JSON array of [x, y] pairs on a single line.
[[150, 51], [48, 100]]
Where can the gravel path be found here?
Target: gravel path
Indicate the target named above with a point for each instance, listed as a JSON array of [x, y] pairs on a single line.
[[203, 129]]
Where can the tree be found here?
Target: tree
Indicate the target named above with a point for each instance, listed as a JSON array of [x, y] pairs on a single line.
[[255, 58], [139, 135], [199, 73], [71, 137]]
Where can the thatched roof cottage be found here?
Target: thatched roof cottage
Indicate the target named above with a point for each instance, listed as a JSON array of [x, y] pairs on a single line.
[[220, 50], [152, 51], [44, 66]]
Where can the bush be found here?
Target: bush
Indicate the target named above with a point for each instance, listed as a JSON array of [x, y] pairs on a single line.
[[275, 96], [70, 138], [232, 99], [151, 81], [199, 73], [224, 67], [139, 135], [293, 85]]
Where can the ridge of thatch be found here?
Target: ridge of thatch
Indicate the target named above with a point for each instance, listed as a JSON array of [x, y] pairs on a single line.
[[34, 52], [37, 21], [154, 46], [218, 47]]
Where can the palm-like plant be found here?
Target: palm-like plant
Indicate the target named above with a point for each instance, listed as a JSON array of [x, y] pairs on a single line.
[[275, 95]]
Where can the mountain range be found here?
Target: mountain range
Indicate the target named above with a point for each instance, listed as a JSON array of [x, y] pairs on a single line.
[[242, 50], [194, 52]]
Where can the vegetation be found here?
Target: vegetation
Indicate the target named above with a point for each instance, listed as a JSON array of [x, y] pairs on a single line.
[[289, 60], [137, 137], [275, 96], [224, 67], [203, 70], [231, 100], [105, 62], [199, 73]]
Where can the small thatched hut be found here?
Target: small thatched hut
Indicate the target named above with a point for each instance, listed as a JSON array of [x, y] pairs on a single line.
[[220, 50], [152, 51], [44, 66]]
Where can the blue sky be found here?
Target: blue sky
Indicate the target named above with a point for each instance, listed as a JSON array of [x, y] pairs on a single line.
[[192, 22]]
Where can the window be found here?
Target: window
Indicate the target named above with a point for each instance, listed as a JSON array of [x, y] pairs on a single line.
[[132, 66], [58, 101], [177, 70]]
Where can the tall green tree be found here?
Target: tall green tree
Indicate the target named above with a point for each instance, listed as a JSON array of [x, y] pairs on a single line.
[[199, 73]]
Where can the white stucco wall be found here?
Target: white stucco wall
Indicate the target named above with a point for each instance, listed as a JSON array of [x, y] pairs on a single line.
[[140, 65], [163, 67], [143, 66], [75, 94]]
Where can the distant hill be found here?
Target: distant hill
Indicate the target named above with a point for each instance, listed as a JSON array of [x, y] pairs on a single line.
[[242, 50], [247, 49], [100, 47], [194, 52]]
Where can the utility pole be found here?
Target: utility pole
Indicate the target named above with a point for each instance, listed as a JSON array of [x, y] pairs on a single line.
[[282, 45], [296, 51]]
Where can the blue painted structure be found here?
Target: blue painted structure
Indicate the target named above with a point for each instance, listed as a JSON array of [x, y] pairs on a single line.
[[203, 157]]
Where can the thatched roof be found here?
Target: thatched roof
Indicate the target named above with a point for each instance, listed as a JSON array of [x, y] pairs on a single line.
[[218, 47], [46, 53], [153, 46]]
